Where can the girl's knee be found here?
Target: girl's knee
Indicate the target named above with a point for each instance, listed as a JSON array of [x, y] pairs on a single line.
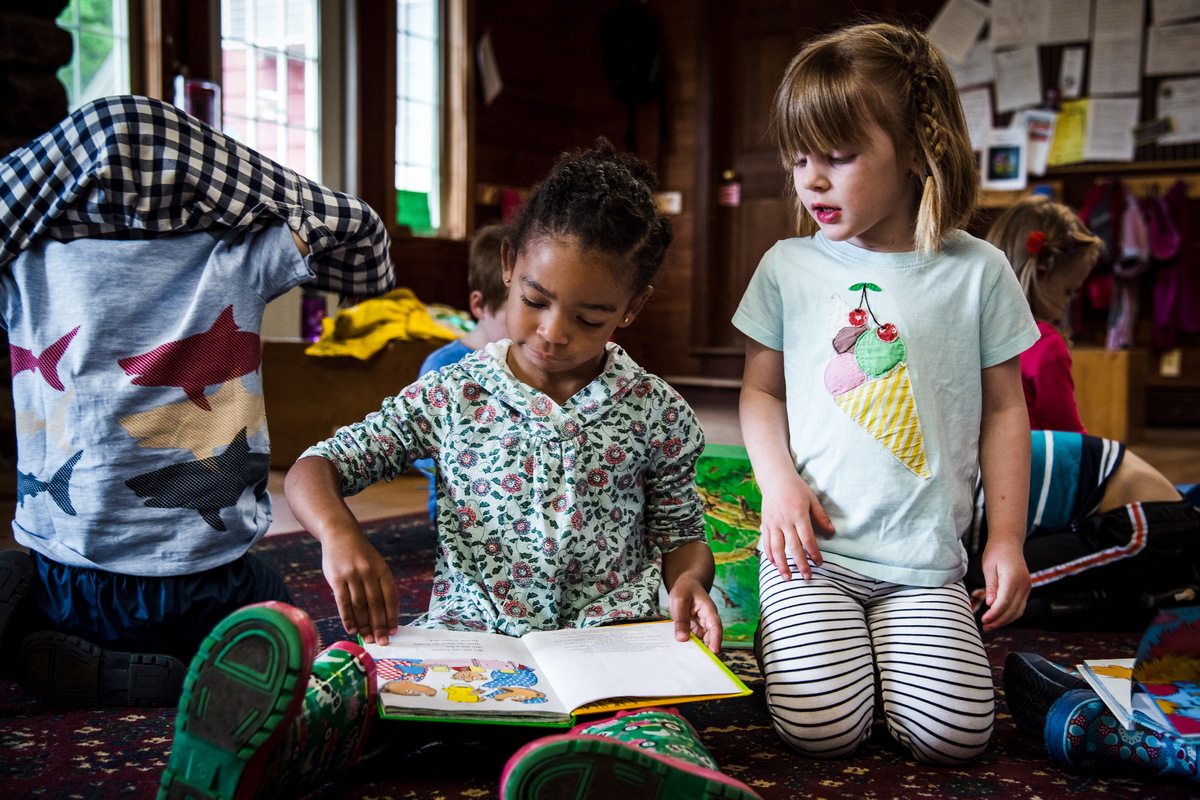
[[821, 741], [942, 742]]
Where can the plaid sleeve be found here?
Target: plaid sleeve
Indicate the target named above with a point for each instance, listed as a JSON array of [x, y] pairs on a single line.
[[134, 167]]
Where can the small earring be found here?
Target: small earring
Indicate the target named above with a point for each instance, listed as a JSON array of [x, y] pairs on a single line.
[[626, 320]]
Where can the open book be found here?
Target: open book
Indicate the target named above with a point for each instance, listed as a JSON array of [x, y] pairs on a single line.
[[1159, 686], [546, 677]]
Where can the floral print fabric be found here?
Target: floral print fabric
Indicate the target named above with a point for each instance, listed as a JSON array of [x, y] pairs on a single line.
[[548, 516]]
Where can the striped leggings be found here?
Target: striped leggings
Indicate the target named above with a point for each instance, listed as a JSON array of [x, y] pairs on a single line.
[[829, 645]]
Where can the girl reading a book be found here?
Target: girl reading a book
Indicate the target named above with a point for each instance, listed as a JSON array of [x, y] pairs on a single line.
[[565, 472]]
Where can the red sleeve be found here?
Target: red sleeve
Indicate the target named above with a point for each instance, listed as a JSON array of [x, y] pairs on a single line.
[[1054, 406]]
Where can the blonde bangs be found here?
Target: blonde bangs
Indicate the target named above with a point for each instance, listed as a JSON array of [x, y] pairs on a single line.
[[822, 106]]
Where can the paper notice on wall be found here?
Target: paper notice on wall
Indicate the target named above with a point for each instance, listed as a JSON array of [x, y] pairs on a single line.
[[1069, 130], [1168, 11], [1039, 127], [979, 66], [1070, 72], [1017, 22], [1109, 131], [1067, 21], [1117, 35], [1180, 100], [1018, 79], [1173, 49], [956, 26], [977, 108]]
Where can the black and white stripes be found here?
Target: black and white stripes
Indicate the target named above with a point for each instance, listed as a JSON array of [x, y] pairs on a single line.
[[834, 643]]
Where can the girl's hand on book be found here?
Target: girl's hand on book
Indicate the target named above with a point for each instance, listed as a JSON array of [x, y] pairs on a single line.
[[788, 514], [694, 612], [363, 587]]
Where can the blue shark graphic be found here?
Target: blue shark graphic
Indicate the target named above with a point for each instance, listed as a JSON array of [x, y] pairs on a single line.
[[58, 486]]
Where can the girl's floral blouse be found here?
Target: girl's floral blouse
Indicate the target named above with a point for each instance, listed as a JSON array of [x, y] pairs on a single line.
[[548, 516]]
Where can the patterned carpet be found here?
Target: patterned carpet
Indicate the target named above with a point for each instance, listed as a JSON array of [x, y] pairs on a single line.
[[120, 752]]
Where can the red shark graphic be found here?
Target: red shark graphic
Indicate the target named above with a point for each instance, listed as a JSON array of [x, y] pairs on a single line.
[[221, 353], [46, 363]]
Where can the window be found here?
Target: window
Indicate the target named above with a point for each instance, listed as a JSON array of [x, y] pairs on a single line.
[[418, 115], [270, 83], [100, 49]]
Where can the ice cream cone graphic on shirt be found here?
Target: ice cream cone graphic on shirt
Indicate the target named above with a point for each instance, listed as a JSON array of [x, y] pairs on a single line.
[[868, 378]]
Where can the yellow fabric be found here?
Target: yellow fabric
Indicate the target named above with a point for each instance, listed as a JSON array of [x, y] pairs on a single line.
[[364, 329]]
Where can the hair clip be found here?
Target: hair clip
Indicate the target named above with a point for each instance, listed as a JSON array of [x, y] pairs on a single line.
[[1035, 244]]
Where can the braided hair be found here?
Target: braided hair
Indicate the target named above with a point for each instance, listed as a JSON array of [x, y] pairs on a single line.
[[604, 200], [893, 75]]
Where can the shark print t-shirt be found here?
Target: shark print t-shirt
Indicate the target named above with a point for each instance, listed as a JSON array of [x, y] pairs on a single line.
[[882, 355], [548, 516], [142, 435]]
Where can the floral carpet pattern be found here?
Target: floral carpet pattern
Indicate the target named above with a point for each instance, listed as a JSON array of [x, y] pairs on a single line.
[[120, 752]]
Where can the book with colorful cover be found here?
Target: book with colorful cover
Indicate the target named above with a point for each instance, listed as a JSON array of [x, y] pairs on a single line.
[[1159, 686], [732, 515], [545, 677]]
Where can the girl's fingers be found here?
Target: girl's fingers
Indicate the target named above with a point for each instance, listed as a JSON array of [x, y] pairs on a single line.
[[360, 610], [341, 596]]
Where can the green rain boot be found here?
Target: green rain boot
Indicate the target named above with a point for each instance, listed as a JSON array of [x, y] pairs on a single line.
[[244, 688], [262, 717], [332, 728], [644, 754]]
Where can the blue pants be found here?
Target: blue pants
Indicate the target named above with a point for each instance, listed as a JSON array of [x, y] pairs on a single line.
[[132, 613]]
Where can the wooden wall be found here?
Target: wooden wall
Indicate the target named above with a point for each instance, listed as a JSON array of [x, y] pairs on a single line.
[[555, 98]]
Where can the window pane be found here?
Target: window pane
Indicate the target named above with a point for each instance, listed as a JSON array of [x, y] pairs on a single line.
[[418, 111], [267, 140], [100, 42], [233, 19], [233, 80], [267, 100], [419, 17], [96, 14], [295, 92], [269, 78]]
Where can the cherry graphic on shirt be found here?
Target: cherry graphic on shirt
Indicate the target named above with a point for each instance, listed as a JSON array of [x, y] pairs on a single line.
[[874, 354], [858, 317]]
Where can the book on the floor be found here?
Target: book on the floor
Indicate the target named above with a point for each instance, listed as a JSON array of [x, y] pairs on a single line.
[[732, 517], [546, 677], [1160, 686]]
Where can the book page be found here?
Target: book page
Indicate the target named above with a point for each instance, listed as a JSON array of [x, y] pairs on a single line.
[[641, 660], [457, 673], [1112, 680]]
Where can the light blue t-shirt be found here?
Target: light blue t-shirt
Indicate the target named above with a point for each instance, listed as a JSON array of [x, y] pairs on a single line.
[[138, 393], [882, 359]]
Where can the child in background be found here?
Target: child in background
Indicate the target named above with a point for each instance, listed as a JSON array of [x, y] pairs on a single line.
[[566, 473], [881, 376], [1052, 252], [1103, 526], [487, 301], [133, 291]]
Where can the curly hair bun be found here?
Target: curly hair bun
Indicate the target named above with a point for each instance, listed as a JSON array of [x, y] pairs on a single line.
[[605, 201]]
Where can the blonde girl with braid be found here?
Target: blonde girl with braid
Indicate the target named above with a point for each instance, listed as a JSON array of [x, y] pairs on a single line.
[[882, 377], [1052, 252]]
